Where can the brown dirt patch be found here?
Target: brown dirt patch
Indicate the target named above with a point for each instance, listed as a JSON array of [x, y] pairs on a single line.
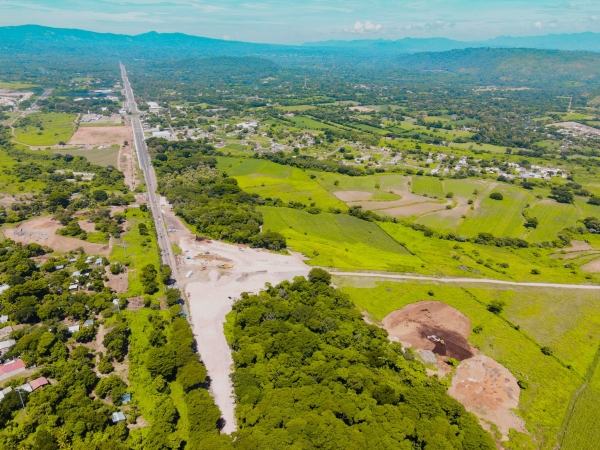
[[407, 199], [352, 196], [118, 283], [577, 246], [413, 323], [42, 230], [592, 266], [488, 389], [94, 136], [128, 163], [414, 210]]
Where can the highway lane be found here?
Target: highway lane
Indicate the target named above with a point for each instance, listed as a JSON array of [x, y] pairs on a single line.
[[166, 251]]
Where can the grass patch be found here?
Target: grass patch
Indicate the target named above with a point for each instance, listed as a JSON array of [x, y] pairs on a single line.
[[44, 129], [16, 85], [271, 180], [553, 217], [502, 218], [367, 184], [139, 250], [97, 237], [103, 157], [428, 186]]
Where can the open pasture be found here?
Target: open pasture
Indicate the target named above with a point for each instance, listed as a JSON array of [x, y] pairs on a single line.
[[428, 186], [272, 180], [377, 186], [553, 217], [102, 157], [41, 129], [502, 218], [340, 240], [549, 384]]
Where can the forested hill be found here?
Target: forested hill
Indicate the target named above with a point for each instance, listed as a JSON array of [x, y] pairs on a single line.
[[527, 66]]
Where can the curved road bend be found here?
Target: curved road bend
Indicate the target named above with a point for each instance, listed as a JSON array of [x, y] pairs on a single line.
[[166, 252], [464, 280]]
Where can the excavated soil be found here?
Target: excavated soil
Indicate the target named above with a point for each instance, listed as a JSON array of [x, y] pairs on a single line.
[[488, 390], [93, 136], [413, 323], [42, 230]]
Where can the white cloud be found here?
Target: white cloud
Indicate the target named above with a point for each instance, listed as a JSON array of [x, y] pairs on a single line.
[[538, 25], [367, 27]]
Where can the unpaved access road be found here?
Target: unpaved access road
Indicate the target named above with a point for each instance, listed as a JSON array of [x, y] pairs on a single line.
[[211, 294], [461, 280]]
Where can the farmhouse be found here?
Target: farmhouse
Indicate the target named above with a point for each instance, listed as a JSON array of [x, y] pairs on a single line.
[[12, 368]]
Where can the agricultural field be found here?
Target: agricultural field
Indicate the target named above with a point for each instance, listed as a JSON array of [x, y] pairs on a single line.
[[306, 123], [272, 180], [16, 85], [41, 129], [553, 217], [428, 187], [337, 240], [103, 157], [550, 384], [372, 187], [499, 217]]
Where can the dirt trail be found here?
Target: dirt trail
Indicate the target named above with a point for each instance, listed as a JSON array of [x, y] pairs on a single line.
[[462, 280]]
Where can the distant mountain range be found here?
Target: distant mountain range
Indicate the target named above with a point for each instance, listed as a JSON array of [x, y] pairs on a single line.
[[578, 41]]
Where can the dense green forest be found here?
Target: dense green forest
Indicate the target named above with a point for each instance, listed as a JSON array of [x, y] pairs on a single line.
[[311, 373]]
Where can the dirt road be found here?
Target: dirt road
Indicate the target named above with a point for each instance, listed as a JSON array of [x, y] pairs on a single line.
[[463, 280]]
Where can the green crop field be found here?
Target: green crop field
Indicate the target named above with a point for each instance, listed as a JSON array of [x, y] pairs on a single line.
[[428, 186], [471, 145], [45, 129], [103, 157], [366, 184], [553, 217], [272, 180], [463, 188], [340, 240], [16, 85], [306, 123], [500, 217], [551, 385]]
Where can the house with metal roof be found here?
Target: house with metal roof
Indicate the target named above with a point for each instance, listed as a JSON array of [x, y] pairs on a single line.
[[118, 417]]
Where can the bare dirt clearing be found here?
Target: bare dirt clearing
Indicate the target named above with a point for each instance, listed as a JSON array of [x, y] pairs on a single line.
[[592, 266], [407, 199], [414, 210], [487, 389], [42, 230], [352, 196], [577, 246], [413, 323], [94, 136]]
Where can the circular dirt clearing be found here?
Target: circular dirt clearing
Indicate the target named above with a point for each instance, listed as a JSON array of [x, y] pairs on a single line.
[[414, 323]]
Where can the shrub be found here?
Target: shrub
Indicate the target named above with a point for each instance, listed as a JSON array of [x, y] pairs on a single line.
[[496, 306], [535, 272], [496, 196], [546, 351]]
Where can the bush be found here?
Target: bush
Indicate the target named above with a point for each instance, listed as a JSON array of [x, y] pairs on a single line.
[[319, 276], [496, 196], [161, 361], [535, 272], [105, 366], [546, 351], [496, 306]]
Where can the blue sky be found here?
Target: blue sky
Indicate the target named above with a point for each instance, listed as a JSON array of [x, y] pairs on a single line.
[[297, 21]]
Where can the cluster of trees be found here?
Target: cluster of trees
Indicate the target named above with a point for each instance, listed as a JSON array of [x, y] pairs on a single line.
[[148, 278], [172, 359], [310, 372], [212, 202], [309, 162]]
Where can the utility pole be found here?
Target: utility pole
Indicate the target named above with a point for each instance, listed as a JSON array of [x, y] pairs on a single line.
[[21, 398]]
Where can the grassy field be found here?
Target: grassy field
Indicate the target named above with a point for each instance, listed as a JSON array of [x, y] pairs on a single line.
[[103, 157], [306, 123], [139, 250], [486, 147], [9, 184], [332, 240], [463, 188], [553, 217], [272, 180], [57, 127], [502, 218], [550, 384], [428, 186], [364, 184], [16, 85]]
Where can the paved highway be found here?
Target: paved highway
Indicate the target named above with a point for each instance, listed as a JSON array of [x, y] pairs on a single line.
[[47, 92], [166, 252]]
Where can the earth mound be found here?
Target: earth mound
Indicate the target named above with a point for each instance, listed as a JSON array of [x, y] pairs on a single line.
[[488, 389], [414, 323]]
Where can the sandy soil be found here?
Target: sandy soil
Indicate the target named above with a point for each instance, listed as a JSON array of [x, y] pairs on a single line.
[[352, 196], [455, 213], [95, 136], [42, 230], [414, 210], [407, 199], [577, 246], [487, 389], [361, 108], [592, 266], [211, 295], [412, 324]]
